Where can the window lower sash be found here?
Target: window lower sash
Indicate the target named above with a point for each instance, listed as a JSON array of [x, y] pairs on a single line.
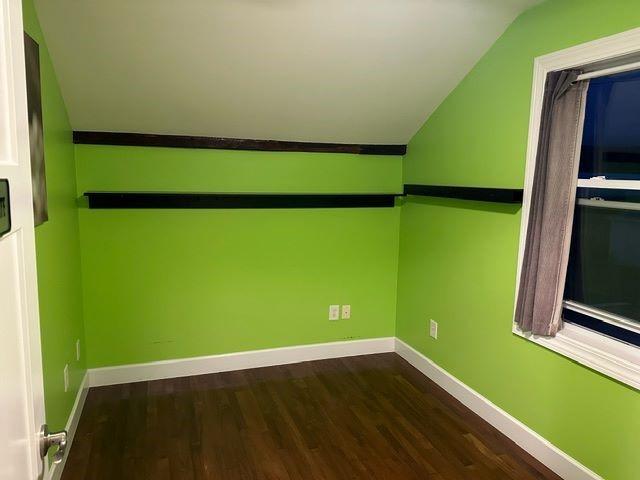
[[603, 326], [593, 202], [603, 315]]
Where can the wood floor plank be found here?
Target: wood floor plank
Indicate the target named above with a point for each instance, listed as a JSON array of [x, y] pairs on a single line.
[[366, 417]]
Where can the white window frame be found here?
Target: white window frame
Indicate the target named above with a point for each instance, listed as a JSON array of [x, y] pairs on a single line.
[[595, 350]]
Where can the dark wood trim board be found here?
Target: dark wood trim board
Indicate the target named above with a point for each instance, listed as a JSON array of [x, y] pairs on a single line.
[[186, 141]]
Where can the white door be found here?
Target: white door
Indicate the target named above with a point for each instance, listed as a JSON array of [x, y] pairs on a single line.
[[21, 390]]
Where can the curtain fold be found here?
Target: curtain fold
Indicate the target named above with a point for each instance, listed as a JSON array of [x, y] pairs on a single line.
[[546, 255]]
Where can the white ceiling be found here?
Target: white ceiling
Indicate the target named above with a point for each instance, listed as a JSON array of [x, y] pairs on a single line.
[[354, 71]]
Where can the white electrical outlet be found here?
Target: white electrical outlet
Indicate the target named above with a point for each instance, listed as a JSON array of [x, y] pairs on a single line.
[[346, 311], [66, 377], [78, 350], [433, 328], [334, 312]]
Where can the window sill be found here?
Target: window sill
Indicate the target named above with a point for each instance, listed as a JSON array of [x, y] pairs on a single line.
[[594, 350]]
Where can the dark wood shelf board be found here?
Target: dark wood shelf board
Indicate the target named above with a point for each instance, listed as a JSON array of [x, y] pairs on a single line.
[[482, 194], [185, 141], [176, 200], [163, 200]]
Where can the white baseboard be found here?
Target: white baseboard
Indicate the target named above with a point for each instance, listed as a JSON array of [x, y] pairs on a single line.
[[55, 472], [565, 466], [236, 361]]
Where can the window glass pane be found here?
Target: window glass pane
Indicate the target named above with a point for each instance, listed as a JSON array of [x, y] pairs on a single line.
[[611, 140], [604, 263]]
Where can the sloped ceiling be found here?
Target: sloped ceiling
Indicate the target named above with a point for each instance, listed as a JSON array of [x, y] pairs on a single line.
[[353, 71]]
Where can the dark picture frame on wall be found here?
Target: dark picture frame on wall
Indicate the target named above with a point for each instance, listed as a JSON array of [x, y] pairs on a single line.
[[36, 130]]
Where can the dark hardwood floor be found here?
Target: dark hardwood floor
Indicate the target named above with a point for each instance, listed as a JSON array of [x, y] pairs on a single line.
[[368, 417]]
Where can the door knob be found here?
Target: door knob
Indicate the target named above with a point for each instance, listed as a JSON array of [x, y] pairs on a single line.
[[49, 439]]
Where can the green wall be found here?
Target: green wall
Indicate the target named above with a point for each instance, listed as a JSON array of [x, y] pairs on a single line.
[[161, 284], [58, 247], [458, 259]]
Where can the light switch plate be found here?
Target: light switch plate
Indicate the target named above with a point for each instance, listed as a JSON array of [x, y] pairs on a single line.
[[433, 329], [346, 312]]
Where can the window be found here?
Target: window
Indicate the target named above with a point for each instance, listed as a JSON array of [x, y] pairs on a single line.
[[602, 290], [603, 277]]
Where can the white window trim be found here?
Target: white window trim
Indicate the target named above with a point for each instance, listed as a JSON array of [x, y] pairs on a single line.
[[610, 357], [599, 352]]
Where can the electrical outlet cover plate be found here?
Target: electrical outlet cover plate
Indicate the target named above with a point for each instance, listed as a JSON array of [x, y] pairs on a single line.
[[334, 312]]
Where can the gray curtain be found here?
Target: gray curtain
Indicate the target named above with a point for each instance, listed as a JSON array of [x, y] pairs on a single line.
[[546, 254]]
